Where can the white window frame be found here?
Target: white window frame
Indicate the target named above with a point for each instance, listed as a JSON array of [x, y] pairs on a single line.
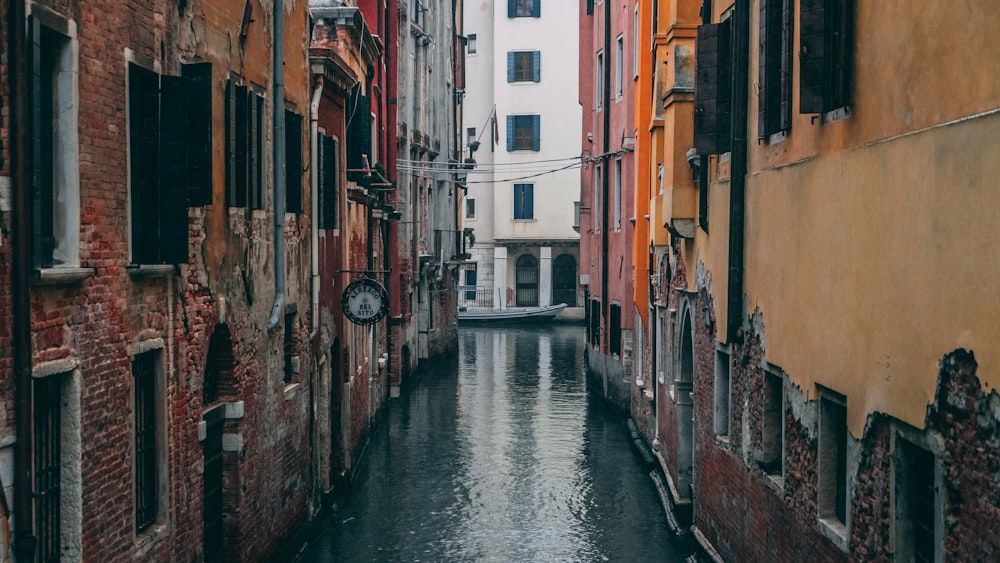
[[618, 194], [599, 83], [471, 43], [635, 42], [472, 216]]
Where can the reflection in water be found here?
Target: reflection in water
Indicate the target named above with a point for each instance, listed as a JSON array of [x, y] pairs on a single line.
[[501, 457]]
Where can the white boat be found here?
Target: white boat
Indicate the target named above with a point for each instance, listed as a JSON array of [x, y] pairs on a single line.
[[510, 315]]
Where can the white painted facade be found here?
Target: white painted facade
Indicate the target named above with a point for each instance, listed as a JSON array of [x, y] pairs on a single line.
[[542, 227]]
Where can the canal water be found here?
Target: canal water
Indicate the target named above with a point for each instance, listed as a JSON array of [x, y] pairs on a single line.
[[501, 456]]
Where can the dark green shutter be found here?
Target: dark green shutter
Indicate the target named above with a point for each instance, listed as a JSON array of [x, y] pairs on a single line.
[[841, 53], [537, 70], [536, 9], [327, 183], [511, 64], [529, 201], [812, 53], [293, 162], [199, 141], [171, 204], [230, 119], [787, 37], [242, 145], [536, 132], [712, 107], [359, 140], [590, 7], [40, 149], [144, 167], [511, 8], [769, 67], [256, 151]]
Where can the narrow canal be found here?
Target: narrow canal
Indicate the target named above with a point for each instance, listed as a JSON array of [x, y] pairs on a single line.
[[501, 456]]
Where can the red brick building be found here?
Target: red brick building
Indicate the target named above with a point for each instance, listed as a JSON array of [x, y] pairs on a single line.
[[157, 374]]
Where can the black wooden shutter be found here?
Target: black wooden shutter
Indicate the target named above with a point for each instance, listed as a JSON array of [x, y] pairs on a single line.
[[40, 179], [199, 141], [769, 68], [173, 190], [359, 140], [787, 37], [841, 25], [293, 162], [144, 141], [327, 183], [230, 143], [712, 107], [812, 52], [256, 151], [242, 145]]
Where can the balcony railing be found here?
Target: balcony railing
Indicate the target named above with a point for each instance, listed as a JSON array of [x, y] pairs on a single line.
[[473, 296]]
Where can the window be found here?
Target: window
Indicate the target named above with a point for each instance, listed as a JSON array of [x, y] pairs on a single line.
[[244, 147], [329, 183], [590, 7], [144, 376], [524, 66], [773, 422], [471, 42], [722, 393], [523, 8], [635, 42], [918, 506], [832, 460], [599, 81], [825, 53], [163, 138], [293, 162], [594, 322], [359, 133], [524, 201], [470, 135], [616, 329], [596, 211], [619, 57], [712, 88], [470, 208], [526, 281], [48, 458], [55, 177], [774, 88], [618, 194], [471, 271], [291, 348], [523, 132]]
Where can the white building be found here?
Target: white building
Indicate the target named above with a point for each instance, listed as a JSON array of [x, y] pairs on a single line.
[[523, 127]]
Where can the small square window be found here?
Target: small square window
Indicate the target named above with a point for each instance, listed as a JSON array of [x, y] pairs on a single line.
[[471, 43], [470, 208]]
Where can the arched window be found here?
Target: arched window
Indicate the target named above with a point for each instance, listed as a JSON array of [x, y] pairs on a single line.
[[526, 281], [564, 280]]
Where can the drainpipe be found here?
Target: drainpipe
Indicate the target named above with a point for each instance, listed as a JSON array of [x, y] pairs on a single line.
[[24, 539], [605, 173], [738, 166], [314, 199], [278, 105]]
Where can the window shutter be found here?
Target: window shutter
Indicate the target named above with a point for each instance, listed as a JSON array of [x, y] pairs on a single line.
[[359, 139], [171, 203], [242, 144], [199, 142], [511, 8], [590, 7], [769, 77], [510, 66], [785, 99], [144, 141], [537, 56], [293, 162], [812, 52], [256, 151], [536, 129], [842, 41], [712, 90], [40, 177], [510, 133], [328, 183], [230, 143], [536, 9], [529, 201]]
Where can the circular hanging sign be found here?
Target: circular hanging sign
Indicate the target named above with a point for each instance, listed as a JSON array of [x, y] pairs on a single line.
[[365, 301]]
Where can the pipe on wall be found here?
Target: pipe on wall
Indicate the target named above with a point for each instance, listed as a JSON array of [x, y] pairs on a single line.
[[278, 163], [17, 72]]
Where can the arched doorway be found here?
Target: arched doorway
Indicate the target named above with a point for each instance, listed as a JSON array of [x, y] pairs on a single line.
[[685, 410], [564, 280], [526, 281]]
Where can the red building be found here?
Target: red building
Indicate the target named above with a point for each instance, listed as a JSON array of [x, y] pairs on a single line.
[[607, 187]]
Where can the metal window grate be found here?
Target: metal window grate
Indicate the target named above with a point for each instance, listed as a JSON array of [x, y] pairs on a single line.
[[47, 458], [144, 374]]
